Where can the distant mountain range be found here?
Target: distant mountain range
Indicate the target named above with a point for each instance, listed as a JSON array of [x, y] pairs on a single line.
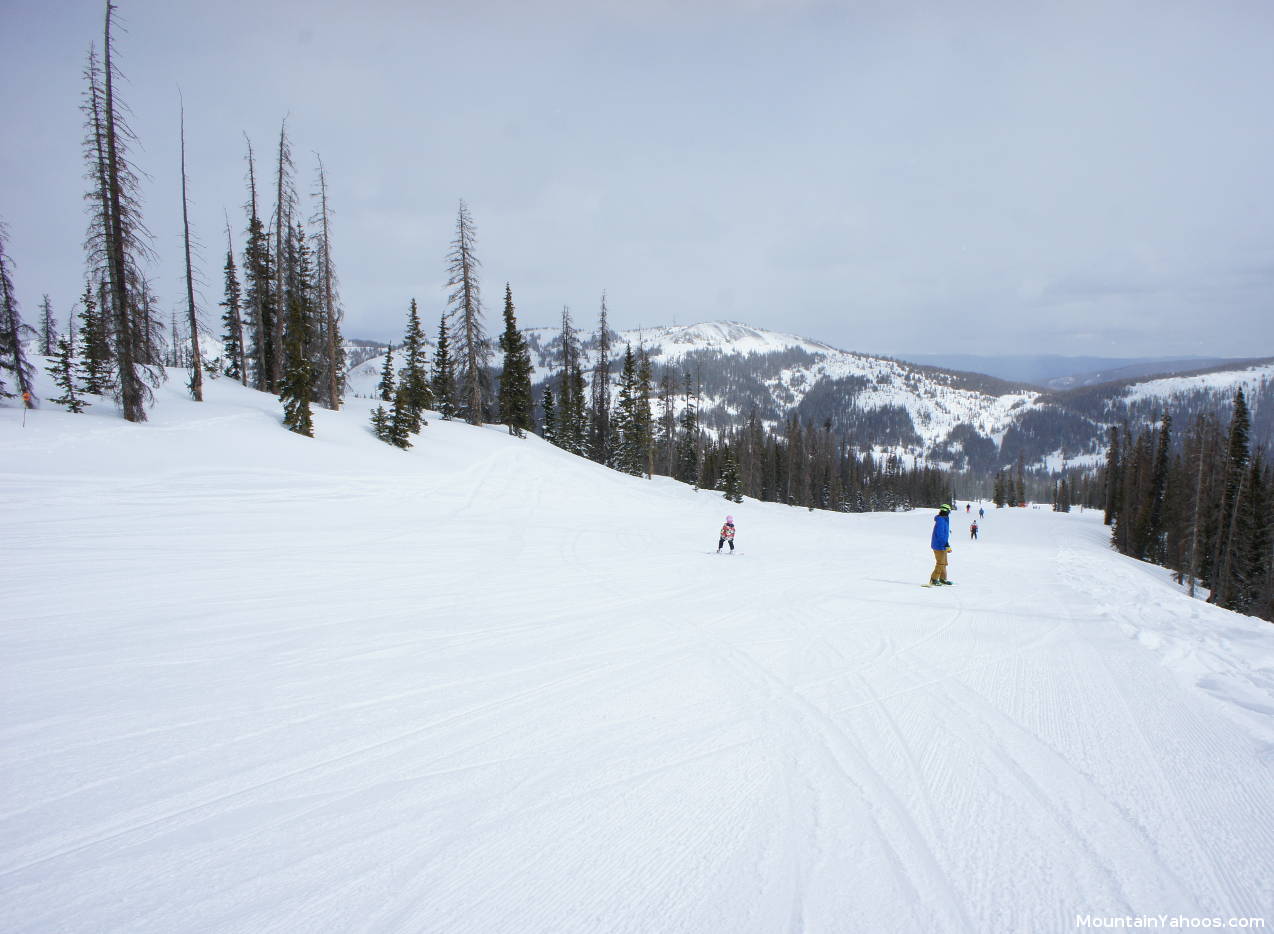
[[1052, 371], [951, 415]]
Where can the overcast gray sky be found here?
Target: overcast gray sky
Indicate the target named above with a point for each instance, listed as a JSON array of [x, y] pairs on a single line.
[[893, 177]]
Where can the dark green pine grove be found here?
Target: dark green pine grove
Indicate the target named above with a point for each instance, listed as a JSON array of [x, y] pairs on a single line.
[[1197, 504]]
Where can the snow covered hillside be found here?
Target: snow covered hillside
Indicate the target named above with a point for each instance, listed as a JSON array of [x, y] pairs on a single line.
[[254, 682], [961, 421]]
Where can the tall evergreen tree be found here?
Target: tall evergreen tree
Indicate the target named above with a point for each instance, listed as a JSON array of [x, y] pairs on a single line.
[[236, 367], [465, 302], [12, 335], [48, 329], [687, 469], [600, 441], [549, 406], [258, 279], [515, 375], [387, 387], [95, 357], [627, 454], [578, 415], [62, 369], [731, 485], [643, 417], [1231, 545], [1114, 477], [443, 380], [300, 377], [414, 395]]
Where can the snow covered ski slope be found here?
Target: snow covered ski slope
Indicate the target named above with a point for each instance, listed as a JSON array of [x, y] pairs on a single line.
[[251, 682]]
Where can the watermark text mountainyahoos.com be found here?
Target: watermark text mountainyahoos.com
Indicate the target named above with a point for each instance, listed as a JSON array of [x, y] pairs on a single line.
[[1167, 923]]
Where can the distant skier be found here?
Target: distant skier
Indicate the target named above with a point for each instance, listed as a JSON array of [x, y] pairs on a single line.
[[967, 507], [981, 513], [973, 530], [940, 542], [727, 535]]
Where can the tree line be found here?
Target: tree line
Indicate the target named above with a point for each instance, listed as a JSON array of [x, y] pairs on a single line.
[[1197, 503], [281, 307]]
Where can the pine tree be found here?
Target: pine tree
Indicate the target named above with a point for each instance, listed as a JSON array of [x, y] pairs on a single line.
[[258, 279], [386, 388], [62, 369], [515, 377], [284, 205], [643, 418], [12, 334], [232, 319], [549, 407], [600, 441], [578, 415], [380, 423], [1114, 478], [465, 301], [403, 421], [443, 381], [333, 377], [48, 329], [626, 454], [1232, 545], [299, 378], [666, 441], [730, 484], [564, 408], [414, 395], [117, 238], [688, 436], [95, 361]]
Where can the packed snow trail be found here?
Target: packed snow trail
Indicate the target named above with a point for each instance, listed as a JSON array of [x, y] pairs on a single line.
[[253, 682]]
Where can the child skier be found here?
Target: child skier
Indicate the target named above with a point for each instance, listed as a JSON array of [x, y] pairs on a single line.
[[727, 534], [940, 542], [973, 529]]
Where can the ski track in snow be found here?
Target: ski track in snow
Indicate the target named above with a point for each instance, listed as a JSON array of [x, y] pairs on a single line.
[[256, 683]]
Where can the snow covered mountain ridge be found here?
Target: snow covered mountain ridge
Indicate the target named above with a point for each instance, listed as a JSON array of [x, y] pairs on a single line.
[[959, 420]]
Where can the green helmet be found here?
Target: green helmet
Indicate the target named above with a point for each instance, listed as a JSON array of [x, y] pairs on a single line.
[[945, 507]]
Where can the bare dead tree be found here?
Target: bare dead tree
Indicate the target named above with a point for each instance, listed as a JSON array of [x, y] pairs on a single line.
[[465, 301], [196, 358], [334, 347]]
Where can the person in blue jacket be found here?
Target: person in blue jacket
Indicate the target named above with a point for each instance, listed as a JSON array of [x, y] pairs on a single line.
[[941, 544]]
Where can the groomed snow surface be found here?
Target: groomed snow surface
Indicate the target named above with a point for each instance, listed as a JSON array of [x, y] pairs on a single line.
[[253, 682]]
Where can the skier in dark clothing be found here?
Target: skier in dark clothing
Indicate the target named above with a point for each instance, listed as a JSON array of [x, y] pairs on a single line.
[[940, 542], [973, 530]]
